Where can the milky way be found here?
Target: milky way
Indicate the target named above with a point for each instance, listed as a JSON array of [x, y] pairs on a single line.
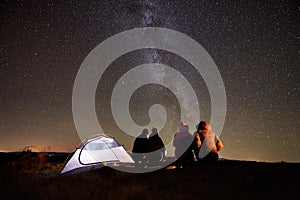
[[255, 45]]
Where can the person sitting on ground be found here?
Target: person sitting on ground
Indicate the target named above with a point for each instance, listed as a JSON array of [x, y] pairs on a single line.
[[140, 146], [210, 143], [155, 148], [183, 145]]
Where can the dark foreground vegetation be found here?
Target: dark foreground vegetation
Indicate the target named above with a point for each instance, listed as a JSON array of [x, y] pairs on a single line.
[[36, 176]]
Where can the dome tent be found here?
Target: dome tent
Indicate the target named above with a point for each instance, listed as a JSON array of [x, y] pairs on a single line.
[[94, 152]]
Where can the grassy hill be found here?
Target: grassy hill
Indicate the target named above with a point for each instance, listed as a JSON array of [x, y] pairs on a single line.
[[224, 180]]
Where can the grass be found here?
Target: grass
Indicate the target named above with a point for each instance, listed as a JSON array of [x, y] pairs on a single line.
[[225, 180]]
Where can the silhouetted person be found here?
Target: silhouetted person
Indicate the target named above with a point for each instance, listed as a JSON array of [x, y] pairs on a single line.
[[210, 143], [140, 146], [182, 143], [156, 148]]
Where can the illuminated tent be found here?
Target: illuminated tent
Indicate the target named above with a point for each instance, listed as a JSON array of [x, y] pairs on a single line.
[[93, 153]]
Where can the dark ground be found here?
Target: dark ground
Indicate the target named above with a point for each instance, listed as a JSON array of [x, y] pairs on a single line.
[[20, 179]]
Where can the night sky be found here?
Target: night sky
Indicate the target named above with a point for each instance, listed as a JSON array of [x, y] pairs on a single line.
[[255, 45]]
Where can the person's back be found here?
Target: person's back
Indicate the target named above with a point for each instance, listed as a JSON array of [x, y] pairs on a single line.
[[140, 146], [155, 147], [210, 143], [155, 143], [182, 143]]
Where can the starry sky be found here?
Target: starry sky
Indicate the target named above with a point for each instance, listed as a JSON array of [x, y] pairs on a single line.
[[255, 45]]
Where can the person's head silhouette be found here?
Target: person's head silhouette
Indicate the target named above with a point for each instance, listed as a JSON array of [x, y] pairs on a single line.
[[183, 127], [144, 133], [154, 131], [203, 125]]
